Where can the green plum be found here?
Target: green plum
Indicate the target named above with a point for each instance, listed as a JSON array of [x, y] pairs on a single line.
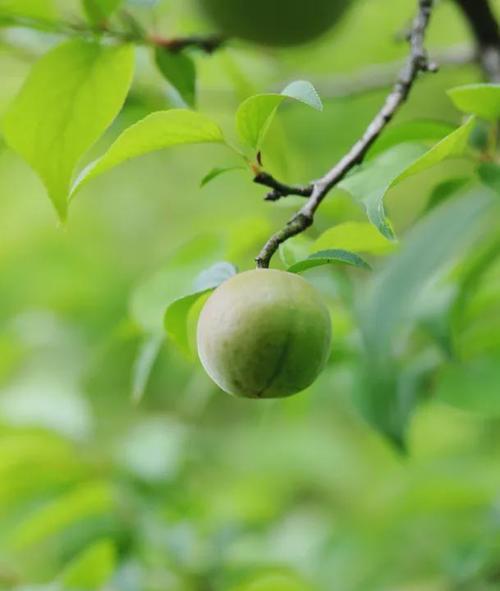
[[274, 22], [264, 334]]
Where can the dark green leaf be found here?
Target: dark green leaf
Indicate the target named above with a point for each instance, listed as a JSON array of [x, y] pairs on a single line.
[[489, 173], [180, 71], [327, 257]]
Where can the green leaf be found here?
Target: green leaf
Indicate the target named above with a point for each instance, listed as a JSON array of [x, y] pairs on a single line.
[[356, 237], [180, 71], [28, 8], [92, 569], [255, 114], [372, 183], [98, 11], [411, 131], [217, 172], [482, 100], [472, 386], [294, 250], [176, 319], [327, 257], [489, 173], [445, 190], [157, 131], [69, 99], [143, 365]]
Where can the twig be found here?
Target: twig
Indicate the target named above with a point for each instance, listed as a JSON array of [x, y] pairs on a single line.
[[208, 44], [484, 26], [417, 62]]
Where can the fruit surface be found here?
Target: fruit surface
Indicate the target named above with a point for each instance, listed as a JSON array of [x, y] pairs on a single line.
[[264, 334], [274, 22]]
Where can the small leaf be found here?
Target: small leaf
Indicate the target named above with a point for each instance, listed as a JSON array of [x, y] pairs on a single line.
[[255, 114], [177, 314], [92, 568], [157, 131], [327, 257], [98, 11], [69, 99], [217, 172], [482, 100], [180, 71], [356, 237], [143, 365]]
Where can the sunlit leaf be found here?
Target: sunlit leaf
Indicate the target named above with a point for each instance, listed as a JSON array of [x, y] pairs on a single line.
[[69, 99], [356, 237], [255, 114], [92, 568], [157, 131], [482, 100], [28, 8], [180, 71], [327, 257]]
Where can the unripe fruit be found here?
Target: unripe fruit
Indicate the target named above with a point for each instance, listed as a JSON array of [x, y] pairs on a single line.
[[274, 22], [264, 334]]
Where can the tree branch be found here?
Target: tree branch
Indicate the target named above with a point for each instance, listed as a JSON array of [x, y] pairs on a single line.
[[484, 26], [208, 44], [417, 62]]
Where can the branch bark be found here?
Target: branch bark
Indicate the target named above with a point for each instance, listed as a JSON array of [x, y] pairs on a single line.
[[484, 26], [417, 62]]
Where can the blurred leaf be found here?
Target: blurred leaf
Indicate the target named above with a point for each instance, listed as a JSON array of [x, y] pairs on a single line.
[[411, 131], [435, 242], [180, 71], [71, 96], [371, 184], [489, 173], [98, 11], [157, 131], [255, 114], [274, 582], [482, 100], [294, 250], [152, 296], [445, 190], [327, 257], [92, 568], [53, 517], [177, 313], [354, 236], [143, 365], [472, 386], [217, 172], [28, 8]]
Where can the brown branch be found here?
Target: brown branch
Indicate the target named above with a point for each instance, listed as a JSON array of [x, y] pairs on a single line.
[[417, 62], [484, 26], [207, 44]]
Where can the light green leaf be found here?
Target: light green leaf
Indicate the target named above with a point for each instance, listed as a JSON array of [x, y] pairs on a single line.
[[356, 237], [217, 172], [296, 249], [255, 114], [98, 11], [177, 314], [92, 568], [157, 131], [372, 183], [69, 99], [28, 8], [143, 365], [411, 131], [472, 386], [180, 71], [482, 100], [327, 257]]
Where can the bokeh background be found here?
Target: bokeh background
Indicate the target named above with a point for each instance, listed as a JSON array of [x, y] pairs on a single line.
[[190, 489]]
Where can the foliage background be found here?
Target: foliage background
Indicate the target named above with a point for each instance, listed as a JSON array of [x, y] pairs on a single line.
[[192, 489]]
